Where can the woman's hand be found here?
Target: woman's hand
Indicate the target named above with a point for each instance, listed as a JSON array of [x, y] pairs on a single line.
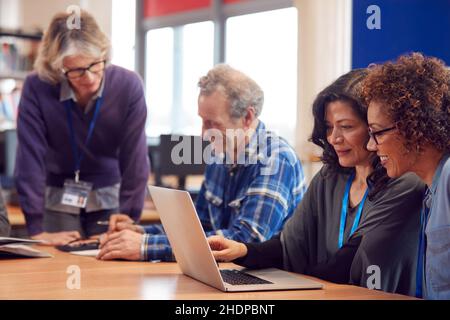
[[226, 250], [57, 238]]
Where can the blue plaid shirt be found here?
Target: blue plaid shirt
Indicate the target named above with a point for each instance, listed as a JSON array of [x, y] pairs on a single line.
[[247, 202]]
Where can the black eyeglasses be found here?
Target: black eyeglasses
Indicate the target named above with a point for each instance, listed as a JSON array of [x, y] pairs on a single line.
[[94, 67], [375, 134]]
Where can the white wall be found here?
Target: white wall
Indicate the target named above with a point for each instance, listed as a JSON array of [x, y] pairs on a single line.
[[324, 39], [9, 14], [29, 14]]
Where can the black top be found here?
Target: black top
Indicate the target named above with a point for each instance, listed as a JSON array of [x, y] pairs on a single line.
[[387, 236]]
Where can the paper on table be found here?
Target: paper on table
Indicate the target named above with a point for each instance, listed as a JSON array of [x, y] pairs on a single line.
[[23, 250], [86, 253], [7, 240]]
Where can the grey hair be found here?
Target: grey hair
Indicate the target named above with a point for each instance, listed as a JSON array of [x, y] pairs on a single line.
[[241, 91], [59, 42]]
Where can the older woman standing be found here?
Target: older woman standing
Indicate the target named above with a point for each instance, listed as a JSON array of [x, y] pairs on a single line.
[[82, 151], [409, 119]]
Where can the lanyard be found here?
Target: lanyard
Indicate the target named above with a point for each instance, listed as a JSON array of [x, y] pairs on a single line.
[[344, 211], [78, 157]]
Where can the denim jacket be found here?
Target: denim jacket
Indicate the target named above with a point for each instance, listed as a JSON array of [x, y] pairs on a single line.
[[437, 254]]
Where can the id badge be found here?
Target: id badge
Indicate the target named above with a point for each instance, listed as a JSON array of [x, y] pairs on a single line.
[[75, 193]]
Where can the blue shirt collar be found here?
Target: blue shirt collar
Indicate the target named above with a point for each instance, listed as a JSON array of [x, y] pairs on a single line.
[[66, 92]]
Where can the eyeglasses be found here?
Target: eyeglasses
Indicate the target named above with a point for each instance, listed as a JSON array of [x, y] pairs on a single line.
[[375, 134], [94, 67]]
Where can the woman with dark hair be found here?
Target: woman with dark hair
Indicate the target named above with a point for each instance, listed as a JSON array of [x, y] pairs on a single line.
[[409, 118], [353, 220]]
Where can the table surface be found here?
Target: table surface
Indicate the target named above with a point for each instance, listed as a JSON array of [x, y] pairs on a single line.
[[17, 219], [46, 278]]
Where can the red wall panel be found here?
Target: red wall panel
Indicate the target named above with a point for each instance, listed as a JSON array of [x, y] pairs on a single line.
[[157, 8]]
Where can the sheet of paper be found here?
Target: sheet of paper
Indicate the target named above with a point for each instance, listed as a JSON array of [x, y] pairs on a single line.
[[7, 240], [86, 253], [23, 250]]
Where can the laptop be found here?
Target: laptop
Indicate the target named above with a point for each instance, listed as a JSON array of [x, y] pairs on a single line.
[[193, 254]]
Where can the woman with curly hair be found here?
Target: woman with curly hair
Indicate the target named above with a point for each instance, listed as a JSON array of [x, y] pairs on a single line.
[[353, 218], [409, 121]]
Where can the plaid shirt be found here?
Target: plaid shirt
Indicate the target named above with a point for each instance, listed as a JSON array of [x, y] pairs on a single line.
[[247, 202]]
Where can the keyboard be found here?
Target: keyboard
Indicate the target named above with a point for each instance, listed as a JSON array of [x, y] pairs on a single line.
[[236, 277]]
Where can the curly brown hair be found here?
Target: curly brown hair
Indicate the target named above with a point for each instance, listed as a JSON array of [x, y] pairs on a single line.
[[415, 93]]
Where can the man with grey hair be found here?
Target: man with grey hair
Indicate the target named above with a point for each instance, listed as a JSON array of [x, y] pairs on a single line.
[[253, 181]]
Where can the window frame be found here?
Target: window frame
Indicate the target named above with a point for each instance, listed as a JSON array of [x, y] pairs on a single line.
[[218, 12]]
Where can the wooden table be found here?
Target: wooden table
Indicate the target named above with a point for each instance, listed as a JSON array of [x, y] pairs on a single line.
[[17, 219], [45, 278]]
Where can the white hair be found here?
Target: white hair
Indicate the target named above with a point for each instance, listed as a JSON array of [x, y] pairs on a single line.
[[241, 91]]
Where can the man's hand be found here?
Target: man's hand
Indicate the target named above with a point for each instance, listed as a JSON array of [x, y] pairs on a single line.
[[57, 238], [125, 244], [226, 250], [119, 222]]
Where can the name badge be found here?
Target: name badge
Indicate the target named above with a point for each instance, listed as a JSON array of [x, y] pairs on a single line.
[[76, 193]]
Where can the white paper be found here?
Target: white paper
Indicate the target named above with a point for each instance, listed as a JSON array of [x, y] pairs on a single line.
[[7, 240], [86, 253], [24, 250]]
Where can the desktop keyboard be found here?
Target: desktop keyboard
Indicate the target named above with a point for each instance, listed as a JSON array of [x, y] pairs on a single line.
[[236, 277]]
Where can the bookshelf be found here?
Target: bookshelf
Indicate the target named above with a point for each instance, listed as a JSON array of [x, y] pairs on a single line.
[[37, 36], [14, 75], [18, 50]]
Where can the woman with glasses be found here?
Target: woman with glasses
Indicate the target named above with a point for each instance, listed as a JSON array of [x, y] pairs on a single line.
[[409, 120], [354, 224], [82, 152]]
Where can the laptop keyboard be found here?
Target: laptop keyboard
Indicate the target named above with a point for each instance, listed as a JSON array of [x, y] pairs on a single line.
[[236, 277]]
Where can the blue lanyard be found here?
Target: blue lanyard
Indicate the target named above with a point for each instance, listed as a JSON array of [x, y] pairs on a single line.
[[79, 157], [344, 211]]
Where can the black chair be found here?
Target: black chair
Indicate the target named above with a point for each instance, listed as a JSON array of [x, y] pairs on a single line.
[[178, 155]]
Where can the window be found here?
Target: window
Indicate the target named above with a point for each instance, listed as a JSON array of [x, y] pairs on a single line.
[[176, 58], [198, 48], [123, 33], [264, 46], [159, 80], [181, 43]]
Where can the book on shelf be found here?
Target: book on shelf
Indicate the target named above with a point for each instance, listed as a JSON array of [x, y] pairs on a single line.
[[18, 50]]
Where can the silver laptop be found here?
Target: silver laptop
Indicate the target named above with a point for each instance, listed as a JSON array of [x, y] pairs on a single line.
[[194, 256]]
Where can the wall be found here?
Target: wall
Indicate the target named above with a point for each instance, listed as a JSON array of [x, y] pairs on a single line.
[[404, 26], [28, 14], [324, 39], [9, 11]]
